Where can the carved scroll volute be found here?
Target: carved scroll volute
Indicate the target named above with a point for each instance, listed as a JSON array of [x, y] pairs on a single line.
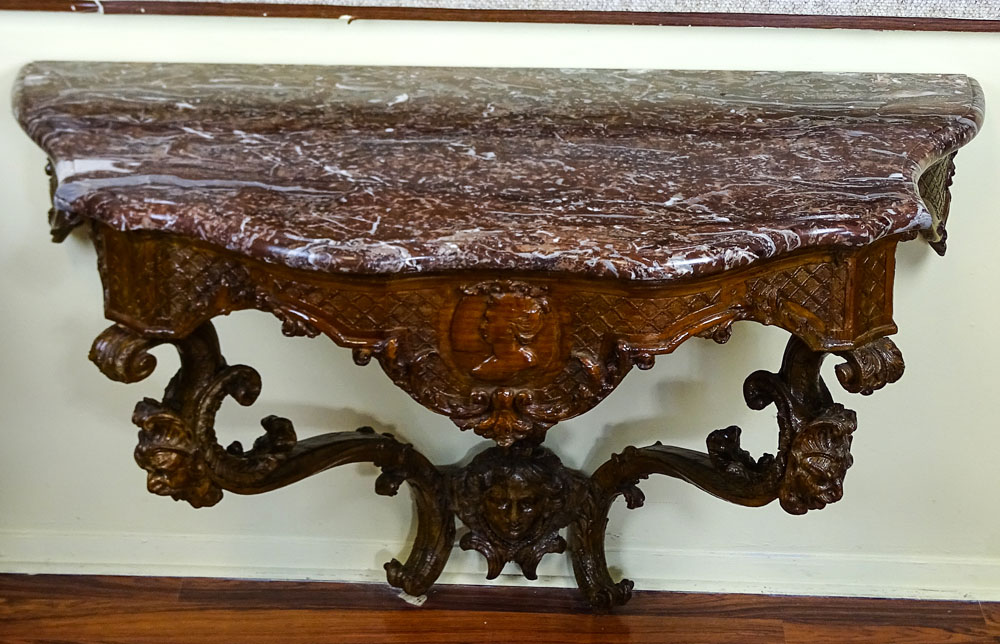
[[871, 367], [183, 459], [806, 473], [122, 355]]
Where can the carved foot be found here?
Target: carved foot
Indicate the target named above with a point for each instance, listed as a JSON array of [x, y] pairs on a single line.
[[587, 533], [183, 460]]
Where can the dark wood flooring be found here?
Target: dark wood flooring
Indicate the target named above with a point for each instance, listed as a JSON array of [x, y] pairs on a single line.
[[63, 609]]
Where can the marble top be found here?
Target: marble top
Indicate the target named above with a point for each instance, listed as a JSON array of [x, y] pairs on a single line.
[[634, 175]]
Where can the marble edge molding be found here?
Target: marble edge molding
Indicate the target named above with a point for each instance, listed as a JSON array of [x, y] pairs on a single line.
[[960, 113], [644, 18]]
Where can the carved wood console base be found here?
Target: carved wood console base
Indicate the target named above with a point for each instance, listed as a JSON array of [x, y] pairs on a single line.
[[506, 245], [514, 500]]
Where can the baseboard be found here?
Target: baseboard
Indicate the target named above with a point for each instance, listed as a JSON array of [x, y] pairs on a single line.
[[280, 557]]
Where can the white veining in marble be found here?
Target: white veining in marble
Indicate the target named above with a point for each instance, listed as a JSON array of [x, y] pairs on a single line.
[[624, 174]]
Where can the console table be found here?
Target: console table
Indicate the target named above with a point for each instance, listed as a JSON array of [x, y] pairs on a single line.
[[507, 244]]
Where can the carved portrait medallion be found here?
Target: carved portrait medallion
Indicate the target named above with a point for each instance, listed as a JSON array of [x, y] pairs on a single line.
[[503, 331]]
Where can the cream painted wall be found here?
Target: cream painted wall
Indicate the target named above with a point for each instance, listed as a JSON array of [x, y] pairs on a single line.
[[922, 512]]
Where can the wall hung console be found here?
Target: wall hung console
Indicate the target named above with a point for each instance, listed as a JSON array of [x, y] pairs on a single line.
[[507, 245]]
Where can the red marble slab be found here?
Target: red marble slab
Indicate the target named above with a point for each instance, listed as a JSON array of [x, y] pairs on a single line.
[[633, 175]]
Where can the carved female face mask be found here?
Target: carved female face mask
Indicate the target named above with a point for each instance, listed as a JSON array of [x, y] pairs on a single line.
[[510, 508]]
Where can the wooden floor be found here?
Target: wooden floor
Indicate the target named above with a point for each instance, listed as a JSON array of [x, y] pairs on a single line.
[[135, 610]]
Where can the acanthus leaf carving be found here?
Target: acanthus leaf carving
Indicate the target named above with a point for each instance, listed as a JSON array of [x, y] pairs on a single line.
[[183, 459], [728, 456], [172, 456], [817, 462], [935, 189], [871, 367], [293, 323], [806, 473]]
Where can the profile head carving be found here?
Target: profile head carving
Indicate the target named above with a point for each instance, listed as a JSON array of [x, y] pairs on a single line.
[[818, 461], [503, 329], [509, 325]]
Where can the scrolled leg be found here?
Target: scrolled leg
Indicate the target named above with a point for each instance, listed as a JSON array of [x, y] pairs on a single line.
[[806, 473], [183, 459], [618, 477], [435, 519]]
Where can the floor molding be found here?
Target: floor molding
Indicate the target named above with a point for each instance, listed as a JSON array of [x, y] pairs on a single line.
[[290, 558]]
